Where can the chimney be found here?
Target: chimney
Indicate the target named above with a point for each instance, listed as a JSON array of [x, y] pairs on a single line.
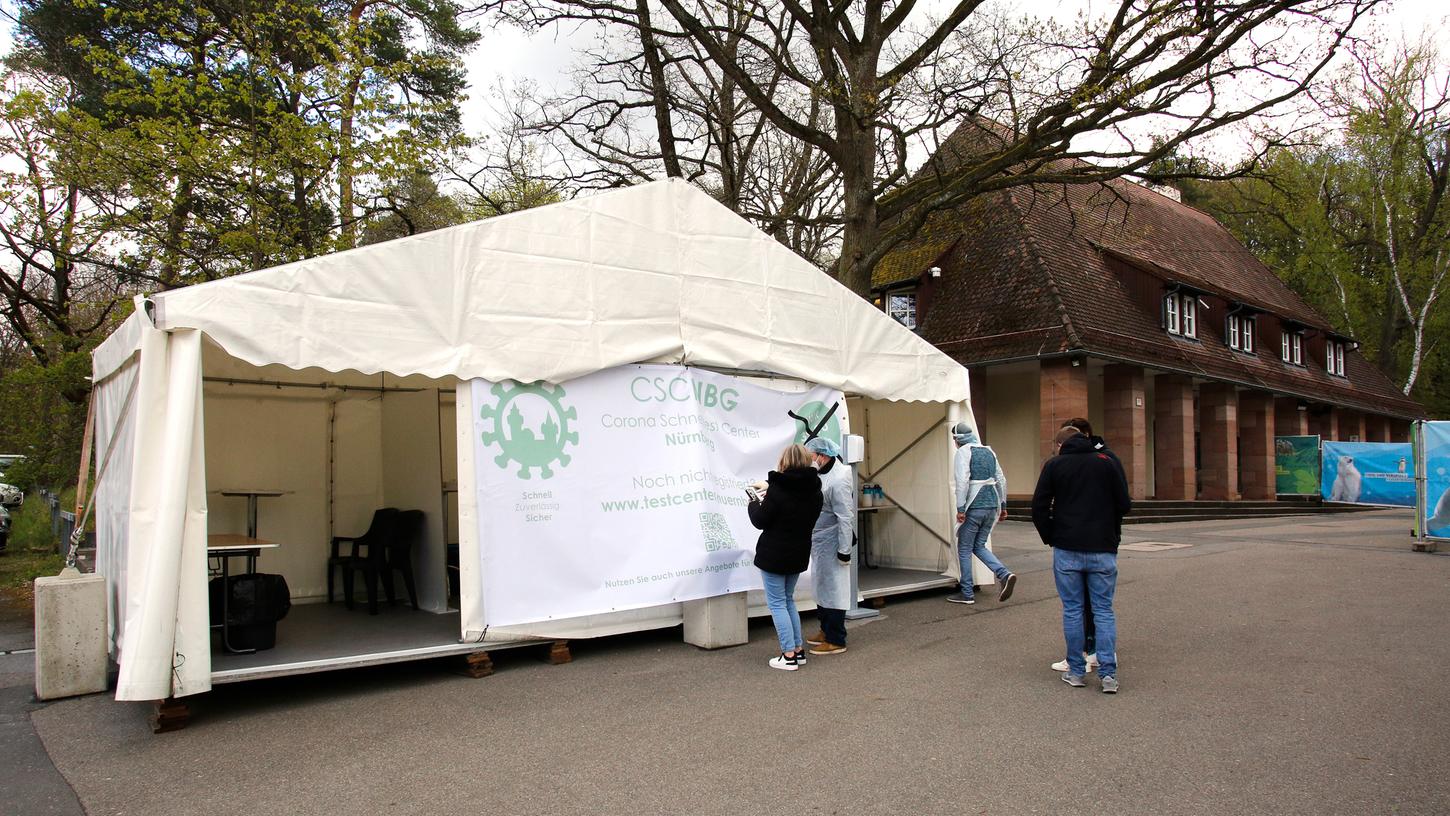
[[1166, 191]]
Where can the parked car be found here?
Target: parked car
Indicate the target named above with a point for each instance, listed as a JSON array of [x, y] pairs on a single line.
[[4, 528], [11, 496]]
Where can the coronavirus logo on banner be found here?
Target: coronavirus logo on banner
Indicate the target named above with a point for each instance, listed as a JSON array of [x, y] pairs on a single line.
[[814, 413], [530, 427]]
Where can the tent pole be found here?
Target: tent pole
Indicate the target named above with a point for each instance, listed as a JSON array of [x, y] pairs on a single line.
[[86, 439], [332, 473], [322, 386]]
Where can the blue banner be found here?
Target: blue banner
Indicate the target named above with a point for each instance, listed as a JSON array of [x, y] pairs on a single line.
[[1368, 473], [1435, 437]]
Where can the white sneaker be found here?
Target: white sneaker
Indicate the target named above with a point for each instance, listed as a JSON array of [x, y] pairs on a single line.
[[784, 663], [1090, 659]]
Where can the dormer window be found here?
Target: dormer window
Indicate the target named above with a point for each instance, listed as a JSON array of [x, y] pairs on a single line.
[[1291, 347], [1334, 357], [1180, 314], [902, 307], [1240, 333]]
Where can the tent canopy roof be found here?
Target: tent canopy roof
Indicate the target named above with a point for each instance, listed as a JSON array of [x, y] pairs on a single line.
[[660, 272]]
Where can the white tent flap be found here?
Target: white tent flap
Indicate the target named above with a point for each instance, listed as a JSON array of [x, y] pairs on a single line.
[[167, 642]]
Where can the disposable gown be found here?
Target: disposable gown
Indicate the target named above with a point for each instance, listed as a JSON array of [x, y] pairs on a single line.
[[832, 534]]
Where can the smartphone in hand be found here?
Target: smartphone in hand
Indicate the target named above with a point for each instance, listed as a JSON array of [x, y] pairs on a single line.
[[752, 493]]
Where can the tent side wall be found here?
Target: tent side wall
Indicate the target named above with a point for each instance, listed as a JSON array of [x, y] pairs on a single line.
[[115, 437], [267, 438], [918, 483]]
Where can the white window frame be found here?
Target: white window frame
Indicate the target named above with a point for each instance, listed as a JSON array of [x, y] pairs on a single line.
[[1190, 315], [1248, 326], [1297, 342], [1232, 334], [1334, 357], [1170, 305], [1284, 346], [904, 316]]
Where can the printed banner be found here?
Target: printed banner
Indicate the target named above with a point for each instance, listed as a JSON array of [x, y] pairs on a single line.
[[1435, 438], [1296, 465], [625, 488], [1369, 473]]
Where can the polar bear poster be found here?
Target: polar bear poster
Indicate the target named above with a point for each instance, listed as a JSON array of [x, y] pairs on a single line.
[[1347, 483], [1439, 524]]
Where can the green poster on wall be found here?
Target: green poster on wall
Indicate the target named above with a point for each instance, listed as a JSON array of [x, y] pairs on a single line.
[[1296, 465]]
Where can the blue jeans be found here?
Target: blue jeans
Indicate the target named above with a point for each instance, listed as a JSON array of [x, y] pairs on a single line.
[[780, 598], [972, 540], [1096, 576]]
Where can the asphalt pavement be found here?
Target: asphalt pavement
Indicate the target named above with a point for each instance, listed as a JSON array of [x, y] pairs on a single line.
[[30, 785], [1270, 666]]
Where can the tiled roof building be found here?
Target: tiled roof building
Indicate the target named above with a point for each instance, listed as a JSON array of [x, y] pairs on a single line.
[[1120, 304]]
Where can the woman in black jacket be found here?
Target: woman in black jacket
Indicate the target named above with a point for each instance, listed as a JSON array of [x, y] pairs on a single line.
[[785, 515]]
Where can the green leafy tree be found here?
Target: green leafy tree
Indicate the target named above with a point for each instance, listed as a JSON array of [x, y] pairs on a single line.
[[255, 129], [59, 284], [159, 144], [400, 82]]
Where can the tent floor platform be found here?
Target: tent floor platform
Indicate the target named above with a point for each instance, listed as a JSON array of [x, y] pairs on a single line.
[[880, 582], [324, 637]]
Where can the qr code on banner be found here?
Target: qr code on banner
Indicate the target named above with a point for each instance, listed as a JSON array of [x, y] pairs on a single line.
[[716, 532]]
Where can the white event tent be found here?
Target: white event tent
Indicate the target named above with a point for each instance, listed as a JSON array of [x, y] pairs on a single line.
[[343, 381]]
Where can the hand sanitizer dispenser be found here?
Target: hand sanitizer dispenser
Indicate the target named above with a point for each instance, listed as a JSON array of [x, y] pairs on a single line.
[[855, 449]]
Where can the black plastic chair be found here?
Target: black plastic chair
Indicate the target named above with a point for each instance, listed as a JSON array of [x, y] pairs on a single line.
[[412, 527], [394, 554], [382, 529]]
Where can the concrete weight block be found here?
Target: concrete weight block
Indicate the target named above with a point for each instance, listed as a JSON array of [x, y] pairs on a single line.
[[70, 635], [714, 623]]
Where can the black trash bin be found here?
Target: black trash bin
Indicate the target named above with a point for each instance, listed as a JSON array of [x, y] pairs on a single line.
[[254, 605]]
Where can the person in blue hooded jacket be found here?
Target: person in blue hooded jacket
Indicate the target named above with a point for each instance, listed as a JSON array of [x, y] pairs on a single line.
[[981, 501], [831, 547]]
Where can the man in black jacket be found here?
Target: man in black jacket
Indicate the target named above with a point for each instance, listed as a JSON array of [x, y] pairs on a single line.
[[1089, 634], [1078, 508]]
